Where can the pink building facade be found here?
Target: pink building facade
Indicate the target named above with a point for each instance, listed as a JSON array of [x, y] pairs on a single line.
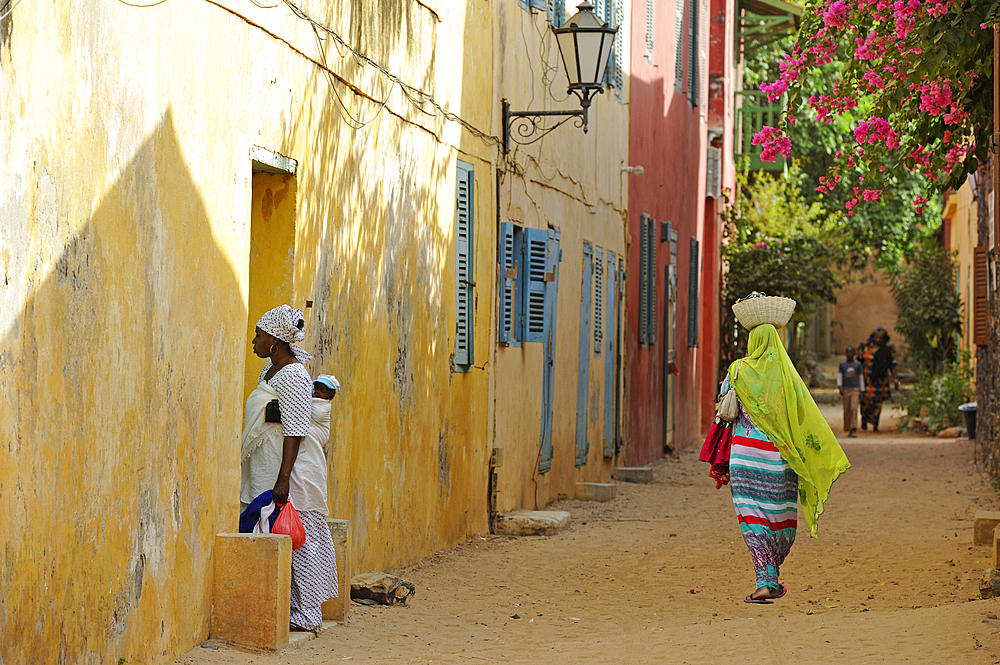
[[681, 133]]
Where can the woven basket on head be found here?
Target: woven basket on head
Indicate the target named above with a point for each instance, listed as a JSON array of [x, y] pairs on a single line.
[[775, 310]]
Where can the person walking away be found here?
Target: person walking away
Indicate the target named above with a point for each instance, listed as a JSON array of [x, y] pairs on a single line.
[[851, 383], [879, 359], [283, 457], [782, 450]]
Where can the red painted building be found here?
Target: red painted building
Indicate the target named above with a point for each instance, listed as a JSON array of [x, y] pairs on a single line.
[[681, 133]]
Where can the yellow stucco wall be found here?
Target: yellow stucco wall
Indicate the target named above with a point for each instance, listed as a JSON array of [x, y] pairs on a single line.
[[125, 245], [961, 210]]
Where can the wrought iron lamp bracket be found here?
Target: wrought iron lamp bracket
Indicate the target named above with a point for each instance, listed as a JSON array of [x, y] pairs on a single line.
[[527, 127]]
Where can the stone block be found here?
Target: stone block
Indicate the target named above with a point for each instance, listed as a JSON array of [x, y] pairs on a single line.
[[983, 525], [996, 547], [383, 588], [251, 589], [531, 522], [336, 609], [989, 584], [950, 433], [595, 491], [634, 474]]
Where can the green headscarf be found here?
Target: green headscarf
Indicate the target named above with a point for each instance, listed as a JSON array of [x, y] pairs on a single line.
[[778, 403]]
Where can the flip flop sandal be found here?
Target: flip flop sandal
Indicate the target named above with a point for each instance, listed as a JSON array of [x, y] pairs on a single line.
[[757, 601], [783, 591]]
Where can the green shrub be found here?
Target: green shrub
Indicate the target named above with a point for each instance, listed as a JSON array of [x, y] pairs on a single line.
[[936, 397]]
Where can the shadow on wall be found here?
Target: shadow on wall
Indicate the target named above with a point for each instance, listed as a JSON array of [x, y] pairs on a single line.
[[120, 430], [375, 252]]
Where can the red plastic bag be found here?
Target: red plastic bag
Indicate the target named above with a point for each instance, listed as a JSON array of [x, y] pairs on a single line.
[[718, 443], [289, 524]]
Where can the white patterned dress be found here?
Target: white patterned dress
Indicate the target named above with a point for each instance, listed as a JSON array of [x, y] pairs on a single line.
[[314, 565]]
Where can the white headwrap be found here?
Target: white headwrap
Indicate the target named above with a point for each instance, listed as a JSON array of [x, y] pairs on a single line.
[[283, 322]]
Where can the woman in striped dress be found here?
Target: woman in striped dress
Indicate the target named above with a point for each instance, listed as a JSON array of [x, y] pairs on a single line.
[[776, 459]]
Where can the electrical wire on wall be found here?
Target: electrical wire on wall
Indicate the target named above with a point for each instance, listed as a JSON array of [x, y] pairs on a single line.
[[417, 97], [11, 10]]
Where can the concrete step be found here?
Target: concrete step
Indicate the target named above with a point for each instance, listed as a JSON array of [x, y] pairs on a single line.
[[531, 522], [634, 474]]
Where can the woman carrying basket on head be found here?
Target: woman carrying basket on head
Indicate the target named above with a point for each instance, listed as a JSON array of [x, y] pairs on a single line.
[[782, 447]]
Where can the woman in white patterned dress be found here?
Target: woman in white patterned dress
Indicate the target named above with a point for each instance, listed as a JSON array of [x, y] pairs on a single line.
[[269, 453]]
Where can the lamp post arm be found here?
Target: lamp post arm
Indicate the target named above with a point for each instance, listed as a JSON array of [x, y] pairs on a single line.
[[532, 123]]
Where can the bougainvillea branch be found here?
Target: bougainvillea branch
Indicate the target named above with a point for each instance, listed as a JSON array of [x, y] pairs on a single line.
[[921, 72]]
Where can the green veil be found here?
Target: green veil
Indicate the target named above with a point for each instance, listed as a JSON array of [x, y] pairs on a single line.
[[777, 401]]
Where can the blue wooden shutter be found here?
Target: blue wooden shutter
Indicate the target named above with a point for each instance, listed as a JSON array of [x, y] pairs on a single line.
[[693, 295], [464, 282], [583, 366], [643, 281], [534, 275], [609, 358], [549, 346], [598, 300], [508, 274], [555, 11]]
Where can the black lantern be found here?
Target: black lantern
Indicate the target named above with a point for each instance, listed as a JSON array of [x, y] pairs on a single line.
[[585, 46]]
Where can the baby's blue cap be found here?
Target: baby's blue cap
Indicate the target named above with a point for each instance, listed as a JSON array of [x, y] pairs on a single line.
[[328, 380]]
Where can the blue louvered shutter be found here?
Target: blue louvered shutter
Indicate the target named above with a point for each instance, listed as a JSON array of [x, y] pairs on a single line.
[[509, 263], [598, 300], [583, 361], [533, 283], [611, 312], [464, 282]]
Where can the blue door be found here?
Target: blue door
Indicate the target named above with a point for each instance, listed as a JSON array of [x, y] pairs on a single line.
[[583, 367], [610, 355], [552, 257]]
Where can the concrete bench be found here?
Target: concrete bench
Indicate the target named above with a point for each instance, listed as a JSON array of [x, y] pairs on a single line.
[[336, 609], [983, 525]]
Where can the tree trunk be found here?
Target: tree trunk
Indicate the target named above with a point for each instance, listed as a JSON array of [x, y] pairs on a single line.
[[987, 356]]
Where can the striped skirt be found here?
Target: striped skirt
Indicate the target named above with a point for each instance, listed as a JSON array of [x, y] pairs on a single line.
[[765, 494]]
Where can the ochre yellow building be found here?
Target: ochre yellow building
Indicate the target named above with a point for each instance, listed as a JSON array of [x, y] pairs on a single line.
[[172, 171]]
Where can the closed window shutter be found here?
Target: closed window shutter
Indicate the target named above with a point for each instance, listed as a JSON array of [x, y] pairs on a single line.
[[533, 282], [693, 35], [649, 31], [651, 280], [464, 282], [643, 281], [598, 300], [693, 295], [980, 297], [508, 276], [679, 46], [619, 48]]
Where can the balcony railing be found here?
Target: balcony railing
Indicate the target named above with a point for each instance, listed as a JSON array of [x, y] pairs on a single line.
[[753, 112]]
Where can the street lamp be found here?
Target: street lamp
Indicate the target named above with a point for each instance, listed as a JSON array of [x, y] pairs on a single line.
[[585, 46]]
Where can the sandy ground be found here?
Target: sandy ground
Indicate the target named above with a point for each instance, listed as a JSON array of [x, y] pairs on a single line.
[[658, 576]]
